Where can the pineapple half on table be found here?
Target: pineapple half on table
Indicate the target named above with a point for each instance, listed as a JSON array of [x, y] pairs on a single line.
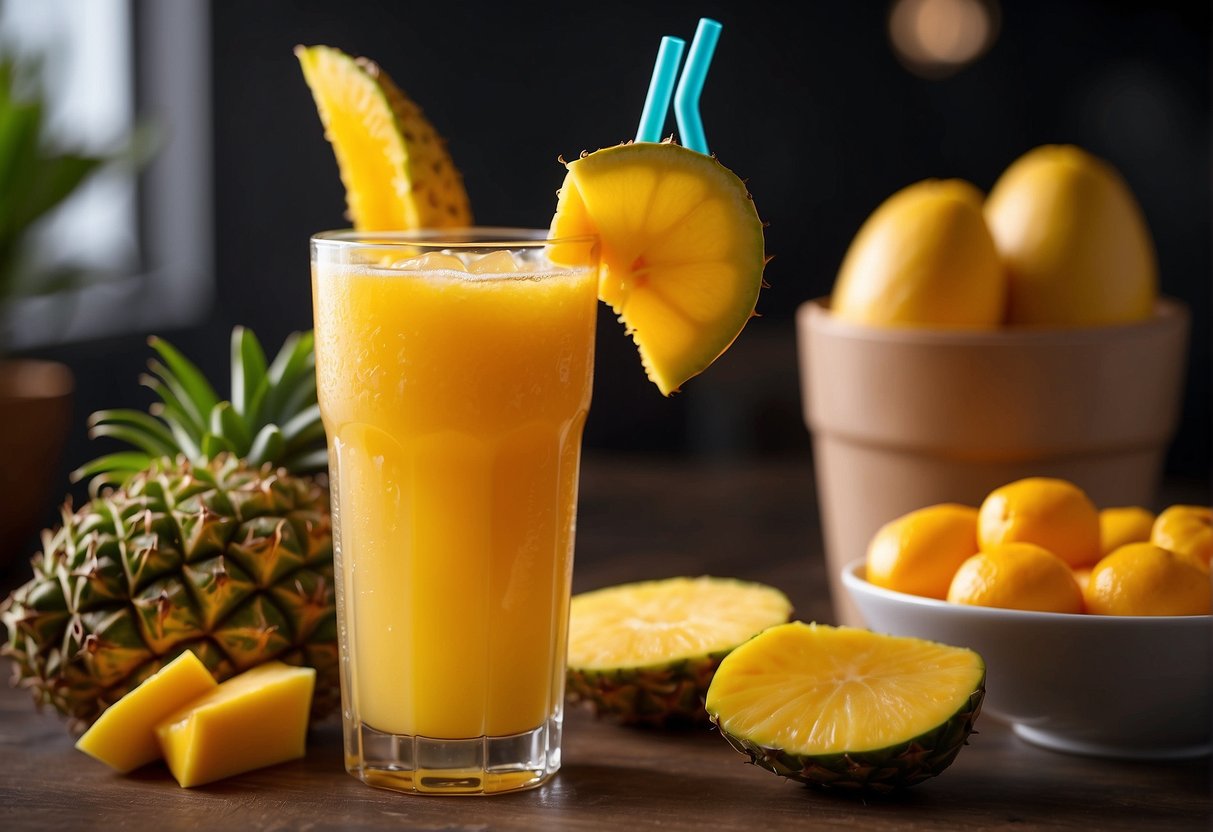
[[211, 534]]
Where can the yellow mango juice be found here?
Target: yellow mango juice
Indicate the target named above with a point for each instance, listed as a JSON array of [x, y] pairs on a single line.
[[454, 405]]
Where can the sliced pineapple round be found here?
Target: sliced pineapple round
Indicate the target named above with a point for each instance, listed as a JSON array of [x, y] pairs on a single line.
[[682, 250], [397, 173], [847, 708], [644, 653]]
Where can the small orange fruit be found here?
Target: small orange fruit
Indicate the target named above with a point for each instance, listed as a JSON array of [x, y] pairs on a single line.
[[1016, 576], [1145, 579], [1186, 530], [1124, 524], [919, 552], [1052, 513], [1082, 576]]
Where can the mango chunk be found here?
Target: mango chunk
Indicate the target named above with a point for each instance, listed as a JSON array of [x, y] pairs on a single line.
[[253, 720], [124, 736]]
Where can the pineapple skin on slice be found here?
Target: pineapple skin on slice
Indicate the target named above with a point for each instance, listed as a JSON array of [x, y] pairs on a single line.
[[682, 250], [124, 736], [253, 720], [644, 653], [396, 169], [898, 764]]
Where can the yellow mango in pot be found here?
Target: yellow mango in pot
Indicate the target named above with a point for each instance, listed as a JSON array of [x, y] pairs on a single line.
[[1074, 240], [924, 258]]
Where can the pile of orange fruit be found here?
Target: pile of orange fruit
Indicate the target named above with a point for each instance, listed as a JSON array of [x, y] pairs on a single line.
[[1041, 544]]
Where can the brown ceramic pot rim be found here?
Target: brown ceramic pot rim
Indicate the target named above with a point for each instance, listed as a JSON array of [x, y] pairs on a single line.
[[1169, 313], [31, 378]]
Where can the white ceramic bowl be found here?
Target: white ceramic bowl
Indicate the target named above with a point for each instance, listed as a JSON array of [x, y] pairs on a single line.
[[1108, 686]]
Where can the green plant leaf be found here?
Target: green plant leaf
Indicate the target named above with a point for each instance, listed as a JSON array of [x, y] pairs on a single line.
[[248, 371], [226, 424], [195, 389], [305, 431], [118, 465], [20, 124], [302, 423], [190, 446], [170, 404], [55, 280], [213, 445], [302, 396], [308, 461], [295, 361], [136, 428], [56, 178], [267, 447]]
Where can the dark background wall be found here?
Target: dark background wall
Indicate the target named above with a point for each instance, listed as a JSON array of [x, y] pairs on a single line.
[[806, 101]]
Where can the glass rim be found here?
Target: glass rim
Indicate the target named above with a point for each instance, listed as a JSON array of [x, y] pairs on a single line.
[[469, 237]]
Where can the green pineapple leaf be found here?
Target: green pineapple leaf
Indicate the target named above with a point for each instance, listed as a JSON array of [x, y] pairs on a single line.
[[189, 378], [249, 381], [135, 428], [228, 426], [295, 363], [268, 446], [112, 469], [213, 445], [273, 417], [177, 400]]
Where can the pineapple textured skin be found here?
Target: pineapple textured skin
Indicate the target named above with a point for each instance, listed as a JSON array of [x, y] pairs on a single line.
[[880, 771], [662, 696], [231, 561]]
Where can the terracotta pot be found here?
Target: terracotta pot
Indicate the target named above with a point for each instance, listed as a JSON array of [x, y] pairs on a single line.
[[904, 418], [35, 413]]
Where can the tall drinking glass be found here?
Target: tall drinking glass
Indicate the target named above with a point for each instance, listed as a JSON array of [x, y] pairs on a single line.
[[454, 373]]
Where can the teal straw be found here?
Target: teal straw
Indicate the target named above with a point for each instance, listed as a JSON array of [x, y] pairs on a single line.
[[657, 104], [686, 99]]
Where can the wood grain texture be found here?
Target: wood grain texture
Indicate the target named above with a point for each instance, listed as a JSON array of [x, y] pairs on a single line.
[[639, 519]]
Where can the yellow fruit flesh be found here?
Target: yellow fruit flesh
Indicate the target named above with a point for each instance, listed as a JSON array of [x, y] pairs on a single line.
[[124, 736], [657, 622], [395, 167], [256, 719], [682, 250], [1076, 245], [812, 690], [923, 258]]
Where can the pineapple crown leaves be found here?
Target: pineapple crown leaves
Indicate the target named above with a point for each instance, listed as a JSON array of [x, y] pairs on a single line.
[[272, 418]]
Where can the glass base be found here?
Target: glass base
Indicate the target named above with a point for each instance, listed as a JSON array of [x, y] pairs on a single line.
[[480, 765]]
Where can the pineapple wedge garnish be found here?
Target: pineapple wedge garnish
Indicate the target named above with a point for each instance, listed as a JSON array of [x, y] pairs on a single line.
[[395, 167], [682, 250]]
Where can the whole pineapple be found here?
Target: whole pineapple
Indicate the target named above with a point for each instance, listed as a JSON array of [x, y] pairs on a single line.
[[213, 535]]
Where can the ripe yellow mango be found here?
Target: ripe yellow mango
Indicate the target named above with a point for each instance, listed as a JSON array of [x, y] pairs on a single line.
[[924, 258], [124, 736], [253, 720], [1074, 240]]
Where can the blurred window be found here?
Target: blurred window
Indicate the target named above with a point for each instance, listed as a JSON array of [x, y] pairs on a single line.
[[107, 63]]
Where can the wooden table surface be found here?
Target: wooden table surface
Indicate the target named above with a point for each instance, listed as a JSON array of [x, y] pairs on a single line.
[[639, 519]]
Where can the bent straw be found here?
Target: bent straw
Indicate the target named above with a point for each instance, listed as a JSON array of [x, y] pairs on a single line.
[[686, 99], [657, 103]]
